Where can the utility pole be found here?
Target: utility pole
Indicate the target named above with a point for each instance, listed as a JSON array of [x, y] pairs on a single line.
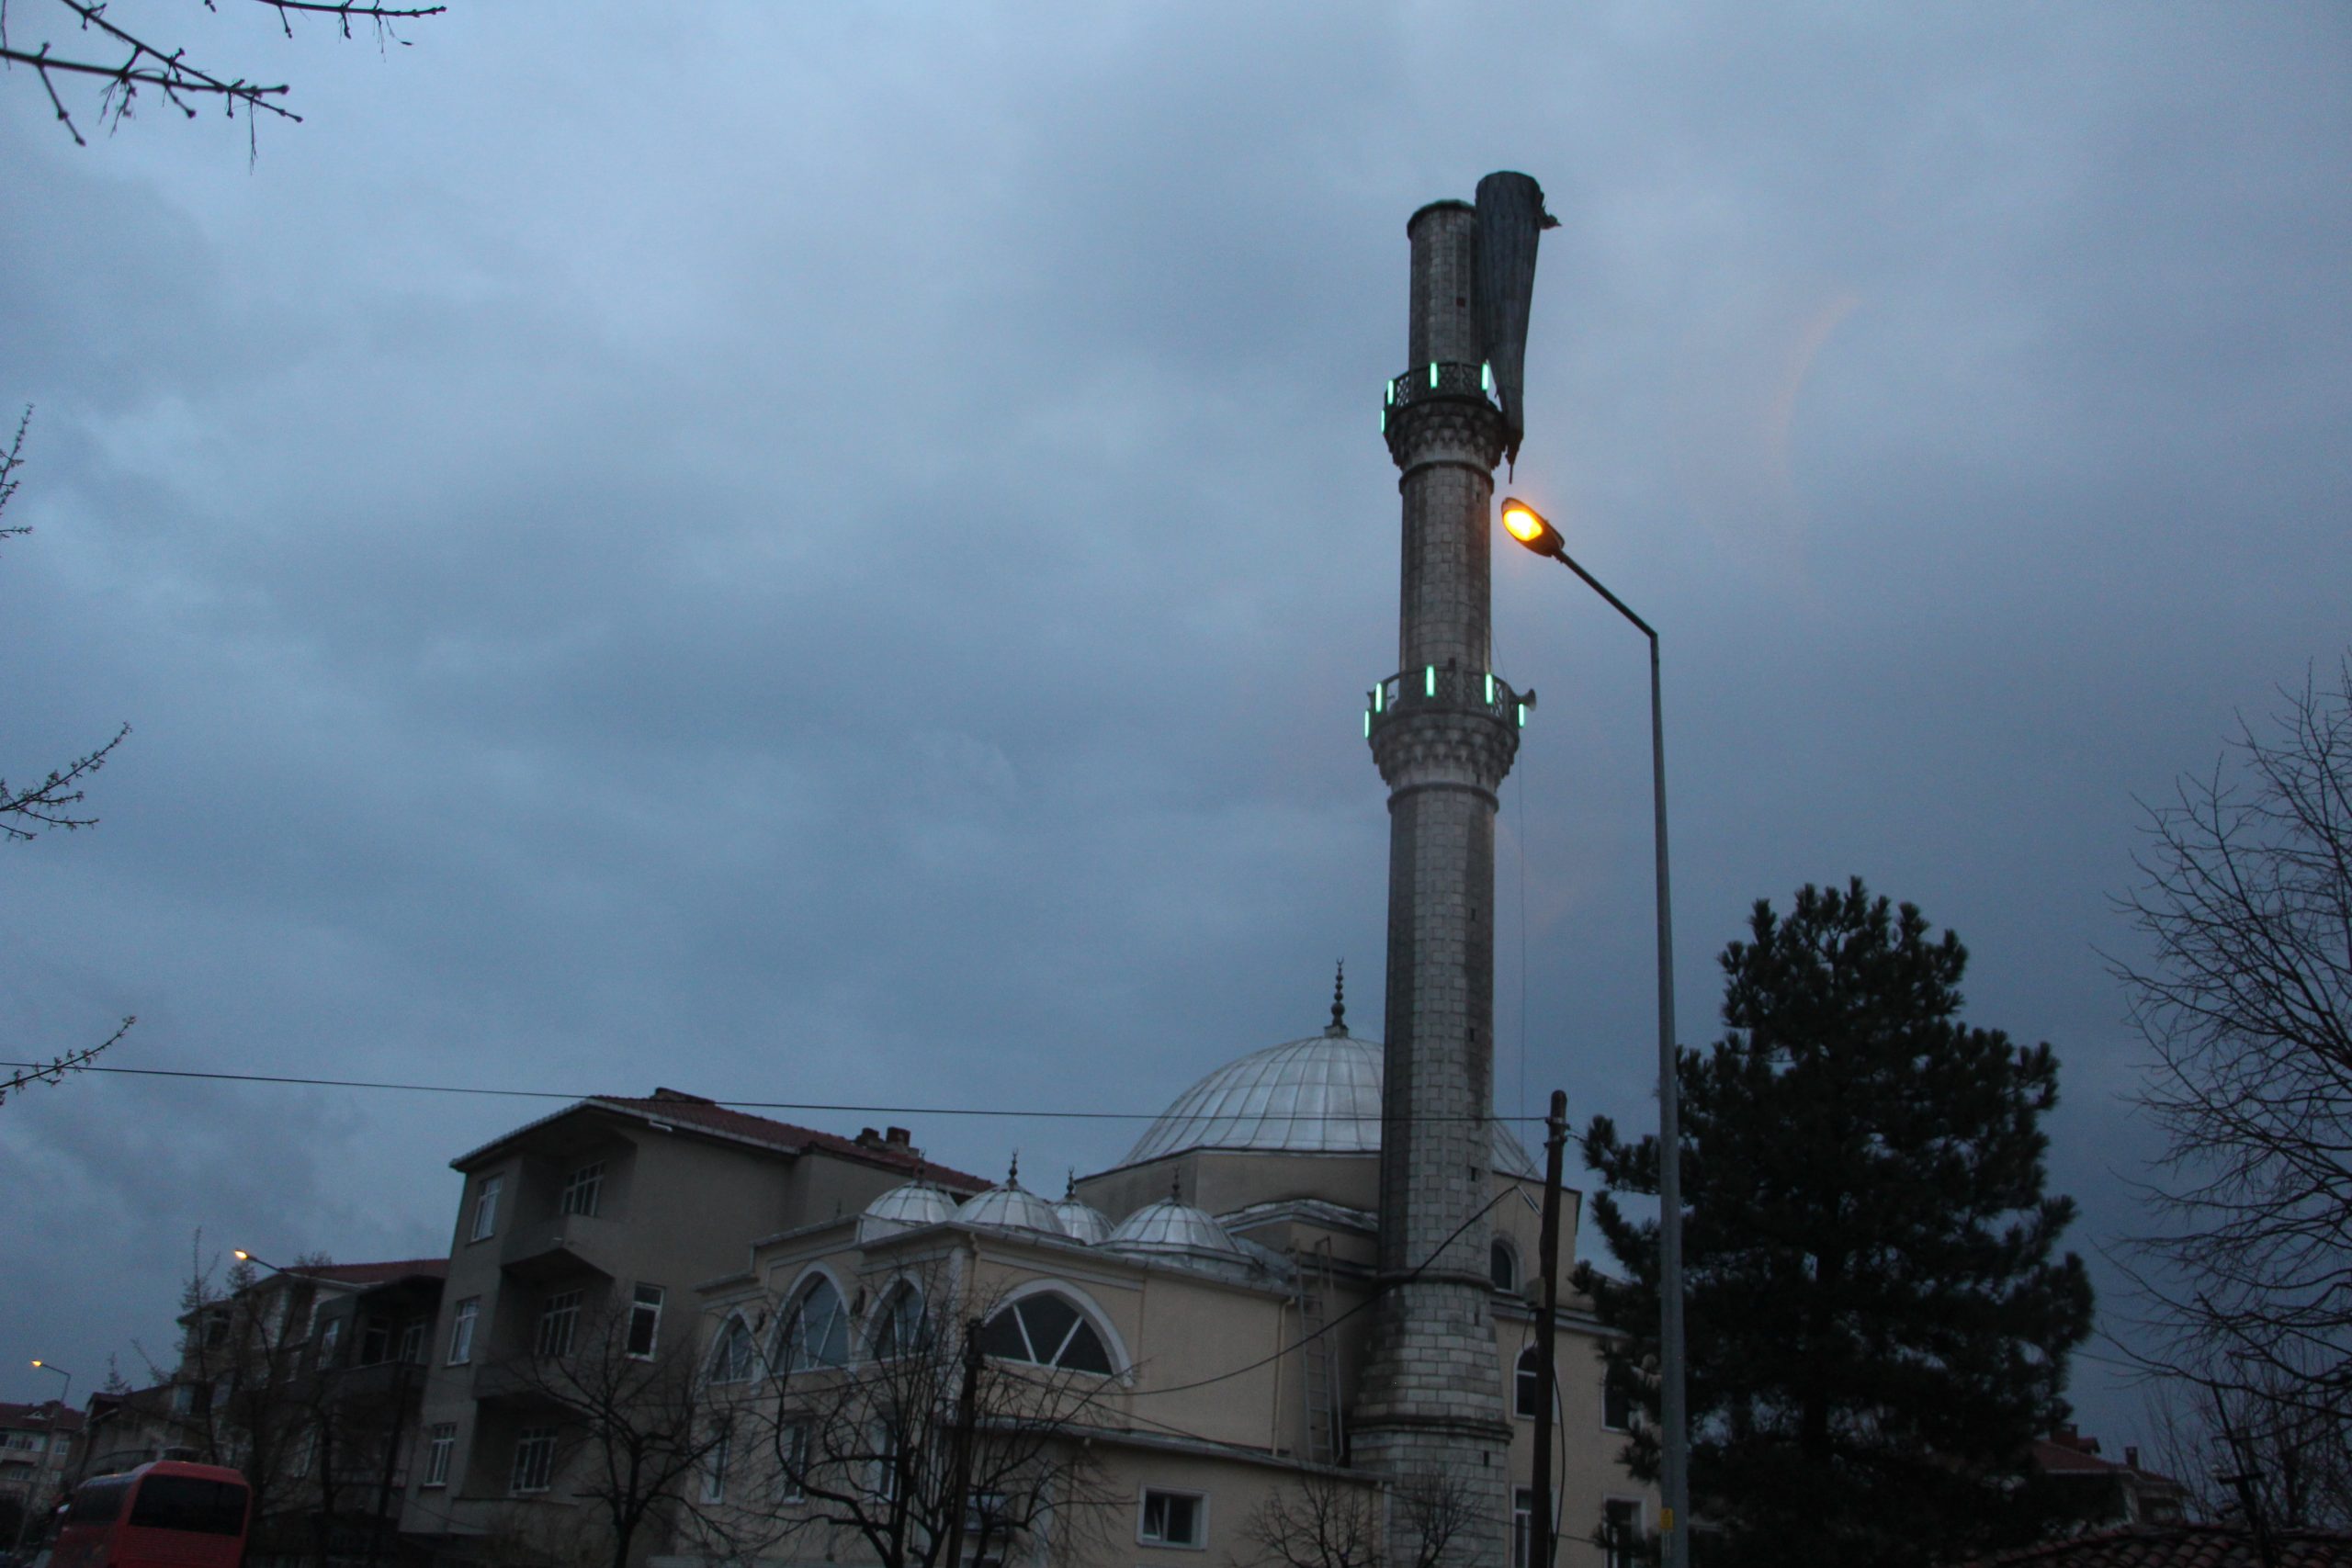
[[960, 1471], [1541, 1526]]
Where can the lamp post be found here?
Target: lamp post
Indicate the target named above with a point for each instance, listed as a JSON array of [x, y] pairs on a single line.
[[1527, 525]]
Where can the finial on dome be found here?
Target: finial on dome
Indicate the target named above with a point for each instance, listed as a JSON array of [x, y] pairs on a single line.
[[1012, 1176], [1338, 1025], [1070, 1187]]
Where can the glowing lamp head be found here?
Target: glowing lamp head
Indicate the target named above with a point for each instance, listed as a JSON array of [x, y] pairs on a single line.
[[36, 1360], [242, 1256], [1526, 524]]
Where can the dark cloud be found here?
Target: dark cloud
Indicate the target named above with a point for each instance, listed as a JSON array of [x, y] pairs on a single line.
[[798, 556]]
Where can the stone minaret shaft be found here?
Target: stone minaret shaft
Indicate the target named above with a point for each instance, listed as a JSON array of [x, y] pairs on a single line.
[[1443, 732]]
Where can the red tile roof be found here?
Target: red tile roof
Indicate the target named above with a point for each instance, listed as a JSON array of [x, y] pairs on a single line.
[[373, 1273], [672, 1106], [49, 1416], [2182, 1546]]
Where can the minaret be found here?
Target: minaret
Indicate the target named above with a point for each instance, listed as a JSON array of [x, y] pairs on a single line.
[[1444, 730]]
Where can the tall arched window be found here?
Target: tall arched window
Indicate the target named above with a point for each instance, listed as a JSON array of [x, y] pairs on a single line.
[[815, 1330], [731, 1355], [898, 1326], [1503, 1265], [1527, 1389], [1049, 1329]]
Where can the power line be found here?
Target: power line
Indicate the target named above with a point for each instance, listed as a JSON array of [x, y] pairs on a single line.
[[800, 1105]]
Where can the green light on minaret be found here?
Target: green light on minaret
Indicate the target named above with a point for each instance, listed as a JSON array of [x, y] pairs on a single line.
[[1428, 680]]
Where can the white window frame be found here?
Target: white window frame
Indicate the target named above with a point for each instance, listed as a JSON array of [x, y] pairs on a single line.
[[1522, 1527], [1144, 1536], [486, 1207], [461, 1330], [440, 1443], [413, 1333], [330, 1334], [1502, 1245], [559, 1324], [642, 1310], [1528, 1369], [583, 1190], [1630, 1554], [1627, 1394], [532, 1442]]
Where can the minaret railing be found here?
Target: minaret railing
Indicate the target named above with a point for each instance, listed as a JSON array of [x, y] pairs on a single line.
[[1436, 688]]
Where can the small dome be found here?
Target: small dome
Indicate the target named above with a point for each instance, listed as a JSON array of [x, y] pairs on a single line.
[[905, 1207], [1012, 1207], [1172, 1226], [1083, 1221], [1319, 1095]]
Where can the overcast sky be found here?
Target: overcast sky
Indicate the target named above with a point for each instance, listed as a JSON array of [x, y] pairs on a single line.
[[832, 554]]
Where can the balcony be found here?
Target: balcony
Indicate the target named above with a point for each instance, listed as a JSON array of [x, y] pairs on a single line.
[[560, 1245], [1436, 689]]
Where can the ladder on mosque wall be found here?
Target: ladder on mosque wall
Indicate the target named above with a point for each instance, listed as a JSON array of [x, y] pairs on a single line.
[[1325, 1441]]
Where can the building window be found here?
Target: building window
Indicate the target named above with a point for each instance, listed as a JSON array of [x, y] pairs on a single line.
[[1503, 1265], [1621, 1532], [714, 1471], [1522, 1527], [791, 1461], [645, 1321], [329, 1333], [559, 1324], [534, 1460], [1049, 1329], [898, 1326], [413, 1341], [438, 1447], [375, 1342], [461, 1330], [486, 1207], [730, 1359], [1527, 1388], [1616, 1402], [816, 1331], [584, 1189], [1172, 1518], [884, 1483]]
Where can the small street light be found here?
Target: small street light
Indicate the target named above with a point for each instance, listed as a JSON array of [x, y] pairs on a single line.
[[1531, 528]]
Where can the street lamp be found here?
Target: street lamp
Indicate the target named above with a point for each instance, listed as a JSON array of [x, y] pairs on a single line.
[[1531, 528]]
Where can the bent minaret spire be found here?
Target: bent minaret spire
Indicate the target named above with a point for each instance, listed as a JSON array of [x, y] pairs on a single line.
[[1444, 731]]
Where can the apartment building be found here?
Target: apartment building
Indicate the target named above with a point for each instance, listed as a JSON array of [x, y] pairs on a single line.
[[36, 1445], [586, 1234]]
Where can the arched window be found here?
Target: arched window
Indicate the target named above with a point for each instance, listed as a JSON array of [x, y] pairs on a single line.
[[1527, 1389], [815, 1331], [900, 1325], [731, 1356], [1049, 1329], [1503, 1265]]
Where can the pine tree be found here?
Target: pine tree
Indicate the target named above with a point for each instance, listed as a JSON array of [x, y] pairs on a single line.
[[1876, 1327]]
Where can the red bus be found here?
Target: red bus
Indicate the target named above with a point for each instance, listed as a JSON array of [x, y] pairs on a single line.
[[164, 1514]]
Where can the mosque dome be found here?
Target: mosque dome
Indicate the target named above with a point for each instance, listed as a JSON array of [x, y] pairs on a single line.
[[1173, 1226], [1082, 1219], [1012, 1207], [904, 1208], [1316, 1096]]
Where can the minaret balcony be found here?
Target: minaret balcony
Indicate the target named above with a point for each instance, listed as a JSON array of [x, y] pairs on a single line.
[[1449, 381], [1436, 688]]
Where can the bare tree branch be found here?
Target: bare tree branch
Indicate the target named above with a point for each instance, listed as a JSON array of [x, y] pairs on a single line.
[[166, 70], [2247, 1005]]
